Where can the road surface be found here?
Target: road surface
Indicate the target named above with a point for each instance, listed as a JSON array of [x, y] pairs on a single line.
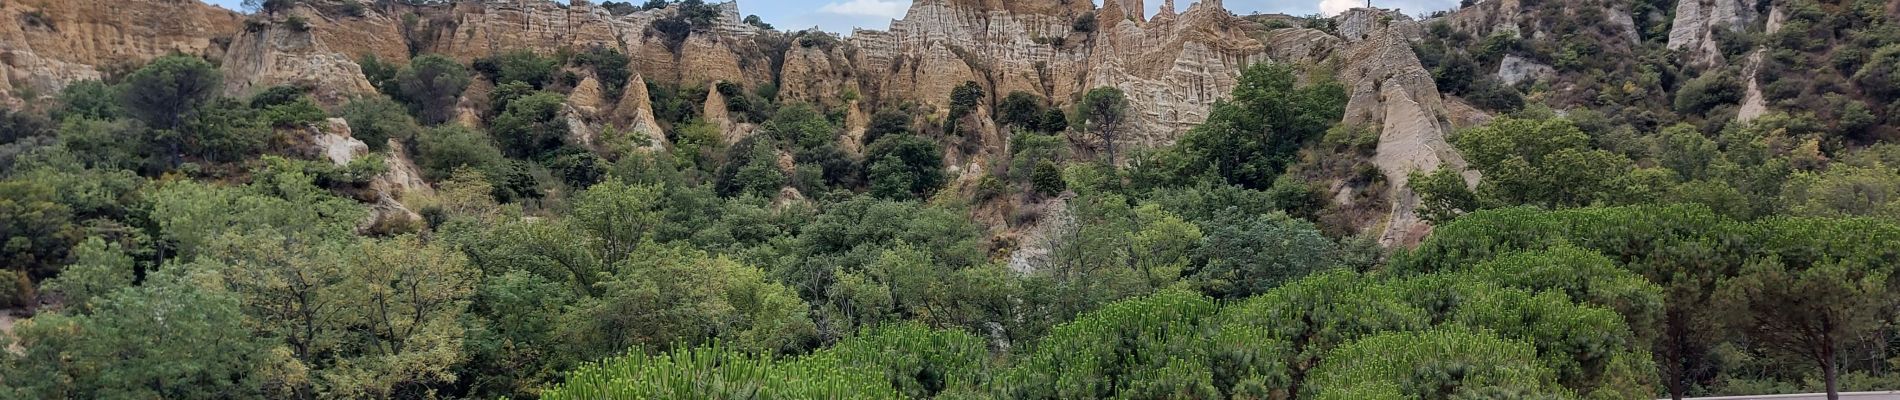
[[1893, 395]]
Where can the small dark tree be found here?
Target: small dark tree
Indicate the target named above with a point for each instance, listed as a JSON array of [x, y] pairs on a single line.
[[277, 96], [886, 122], [1103, 111], [754, 20], [375, 120], [431, 87], [163, 93], [1021, 110], [904, 166], [531, 126], [963, 101], [1054, 120], [1047, 178], [1084, 23], [610, 65], [271, 7]]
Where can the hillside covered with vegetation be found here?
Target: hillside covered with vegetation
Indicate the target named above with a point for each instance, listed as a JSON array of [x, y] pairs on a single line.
[[1623, 234]]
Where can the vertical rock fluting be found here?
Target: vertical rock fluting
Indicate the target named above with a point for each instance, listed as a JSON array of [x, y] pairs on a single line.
[[47, 44], [1392, 91], [1698, 20], [283, 55], [1173, 69], [1173, 66]]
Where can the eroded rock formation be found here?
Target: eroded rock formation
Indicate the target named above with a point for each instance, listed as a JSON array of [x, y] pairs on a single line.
[[1173, 66], [47, 44], [1697, 22]]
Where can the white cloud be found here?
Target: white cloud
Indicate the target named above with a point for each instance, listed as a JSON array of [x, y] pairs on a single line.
[[892, 9], [1334, 7]]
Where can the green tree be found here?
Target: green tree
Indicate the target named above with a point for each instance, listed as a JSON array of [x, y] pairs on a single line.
[[191, 217], [39, 231], [801, 125], [1249, 141], [510, 355], [665, 296], [1700, 95], [1443, 195], [1881, 73], [1047, 178], [1776, 306], [1244, 255], [403, 304], [1288, 332], [1054, 121], [519, 66], [164, 93], [1129, 347], [1683, 149], [619, 216], [90, 99], [904, 167], [431, 86], [610, 65], [376, 120], [222, 131], [1103, 111], [886, 122], [963, 100], [169, 338], [1844, 190], [1021, 110], [532, 125], [99, 268], [442, 150], [1546, 162], [1439, 364]]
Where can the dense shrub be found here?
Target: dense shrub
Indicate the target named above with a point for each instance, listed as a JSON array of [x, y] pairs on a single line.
[[1703, 93], [376, 119]]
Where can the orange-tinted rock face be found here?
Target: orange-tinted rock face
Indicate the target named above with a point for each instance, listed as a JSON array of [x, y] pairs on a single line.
[[1173, 66], [47, 44]]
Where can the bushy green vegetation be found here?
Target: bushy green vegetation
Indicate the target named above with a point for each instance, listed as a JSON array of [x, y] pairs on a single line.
[[172, 243]]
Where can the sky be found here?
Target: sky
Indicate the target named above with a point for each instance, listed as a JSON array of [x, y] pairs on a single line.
[[843, 15]]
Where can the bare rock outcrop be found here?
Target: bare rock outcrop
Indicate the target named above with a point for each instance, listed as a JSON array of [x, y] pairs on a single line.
[[470, 30], [1358, 23], [1174, 69], [1754, 105], [1697, 22], [331, 139], [856, 124], [818, 74], [634, 114], [1391, 91], [284, 55], [1514, 69], [47, 44]]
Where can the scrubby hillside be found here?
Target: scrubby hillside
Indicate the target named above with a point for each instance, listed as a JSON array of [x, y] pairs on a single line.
[[987, 199]]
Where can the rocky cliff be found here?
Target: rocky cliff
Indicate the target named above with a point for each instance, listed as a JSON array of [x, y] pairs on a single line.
[[47, 44], [1698, 21], [1173, 66]]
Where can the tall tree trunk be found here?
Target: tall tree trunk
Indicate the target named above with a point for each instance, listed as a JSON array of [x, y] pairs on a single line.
[[1675, 366], [1830, 360], [1831, 371]]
